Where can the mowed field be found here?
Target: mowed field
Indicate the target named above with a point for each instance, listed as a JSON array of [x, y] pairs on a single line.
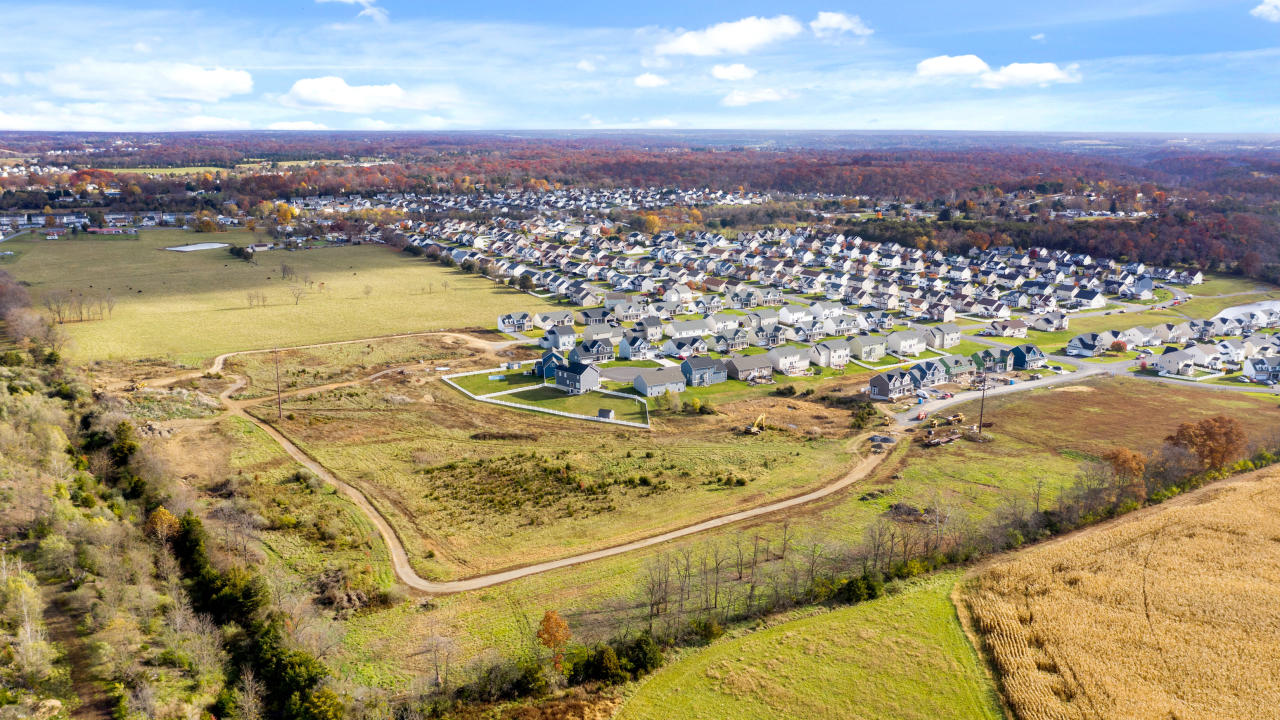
[[1167, 614], [901, 657], [189, 307]]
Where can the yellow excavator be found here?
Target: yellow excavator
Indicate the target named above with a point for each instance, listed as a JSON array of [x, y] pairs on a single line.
[[756, 427]]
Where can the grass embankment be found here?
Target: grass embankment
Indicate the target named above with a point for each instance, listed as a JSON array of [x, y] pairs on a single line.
[[1153, 616], [188, 307], [902, 656]]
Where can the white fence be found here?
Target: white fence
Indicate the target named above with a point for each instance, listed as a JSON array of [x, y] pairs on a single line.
[[520, 406]]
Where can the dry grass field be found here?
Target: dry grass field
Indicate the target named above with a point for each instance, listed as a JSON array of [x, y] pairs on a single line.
[[189, 307], [473, 487], [1167, 614]]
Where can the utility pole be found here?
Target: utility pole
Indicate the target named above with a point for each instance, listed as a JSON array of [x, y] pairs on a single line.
[[279, 407], [982, 405]]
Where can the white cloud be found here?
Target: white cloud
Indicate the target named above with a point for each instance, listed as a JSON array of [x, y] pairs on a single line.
[[8, 78], [739, 36], [297, 125], [832, 24], [101, 80], [736, 71], [739, 98], [141, 47], [950, 65], [1267, 10], [1038, 37], [649, 80], [591, 119], [333, 93], [586, 66], [1023, 74], [1011, 75], [369, 9], [661, 122]]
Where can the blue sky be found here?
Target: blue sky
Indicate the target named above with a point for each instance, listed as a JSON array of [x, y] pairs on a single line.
[[1129, 65]]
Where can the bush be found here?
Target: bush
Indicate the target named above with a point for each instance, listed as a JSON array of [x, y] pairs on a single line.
[[594, 664], [11, 358], [640, 655]]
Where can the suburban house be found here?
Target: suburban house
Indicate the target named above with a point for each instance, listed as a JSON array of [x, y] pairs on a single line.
[[993, 361], [788, 360], [560, 337], [1051, 322], [652, 382], [927, 374], [1175, 362], [830, 353], [595, 316], [730, 342], [942, 336], [635, 346], [546, 366], [1028, 357], [1263, 369], [577, 378], [906, 342], [1008, 328], [959, 367], [554, 318], [684, 348], [592, 351], [515, 322], [701, 371], [1085, 345], [750, 368], [891, 385], [867, 348]]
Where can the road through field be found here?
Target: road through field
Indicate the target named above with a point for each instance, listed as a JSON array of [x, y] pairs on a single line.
[[399, 557]]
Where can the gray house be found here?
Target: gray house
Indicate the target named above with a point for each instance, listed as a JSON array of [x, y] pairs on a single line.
[[652, 382], [750, 367], [892, 385], [592, 351], [577, 378], [867, 348], [701, 371]]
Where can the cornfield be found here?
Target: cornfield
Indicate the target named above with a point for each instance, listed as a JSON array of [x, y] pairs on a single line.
[[1170, 615]]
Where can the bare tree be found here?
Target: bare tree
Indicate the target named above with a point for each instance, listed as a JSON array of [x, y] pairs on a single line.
[[297, 291], [249, 694], [440, 648]]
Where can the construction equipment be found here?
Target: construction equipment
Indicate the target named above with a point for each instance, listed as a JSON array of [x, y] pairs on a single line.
[[956, 419], [756, 427]]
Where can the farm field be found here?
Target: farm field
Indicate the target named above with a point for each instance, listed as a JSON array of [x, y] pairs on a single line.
[[473, 487], [902, 656], [189, 307], [1223, 285], [1158, 615]]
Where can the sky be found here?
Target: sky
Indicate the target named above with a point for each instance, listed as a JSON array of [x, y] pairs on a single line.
[[1182, 66]]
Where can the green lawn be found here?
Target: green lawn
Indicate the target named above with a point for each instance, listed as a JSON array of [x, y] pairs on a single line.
[[588, 404], [968, 347], [903, 656], [511, 379], [1207, 307], [1223, 285], [188, 307]]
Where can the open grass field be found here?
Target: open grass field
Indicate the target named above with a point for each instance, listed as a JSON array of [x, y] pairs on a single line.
[[473, 487], [1165, 614], [1043, 436], [309, 367], [1223, 285], [903, 657], [510, 380], [188, 307], [1207, 307]]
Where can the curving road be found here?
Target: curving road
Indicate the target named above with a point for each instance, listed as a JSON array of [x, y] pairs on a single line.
[[399, 557]]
